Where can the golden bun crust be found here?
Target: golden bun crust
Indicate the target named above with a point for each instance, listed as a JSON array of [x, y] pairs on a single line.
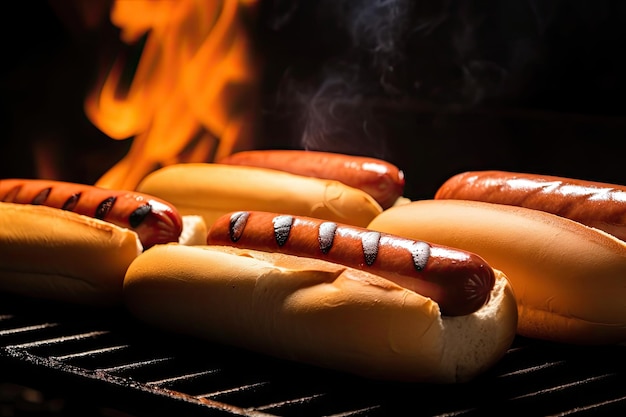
[[569, 279], [211, 190], [316, 312], [56, 254]]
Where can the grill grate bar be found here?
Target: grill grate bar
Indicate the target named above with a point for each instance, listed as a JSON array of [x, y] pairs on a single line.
[[532, 369], [241, 388], [134, 365], [302, 400], [88, 353], [355, 412], [96, 375], [185, 377], [563, 387], [27, 328], [589, 407], [456, 413], [6, 316], [56, 340]]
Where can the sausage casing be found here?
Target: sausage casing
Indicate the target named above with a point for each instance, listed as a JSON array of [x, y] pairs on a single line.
[[595, 204], [459, 281], [382, 180], [154, 220]]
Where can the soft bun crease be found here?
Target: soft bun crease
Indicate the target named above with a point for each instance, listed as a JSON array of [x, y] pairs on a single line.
[[316, 312], [569, 279], [60, 255], [212, 190]]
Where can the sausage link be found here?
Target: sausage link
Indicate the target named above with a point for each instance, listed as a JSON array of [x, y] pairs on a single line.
[[378, 178], [459, 281], [595, 204], [154, 220]]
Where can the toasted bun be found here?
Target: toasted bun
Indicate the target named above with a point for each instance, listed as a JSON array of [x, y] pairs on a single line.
[[569, 279], [56, 254], [211, 190], [316, 312]]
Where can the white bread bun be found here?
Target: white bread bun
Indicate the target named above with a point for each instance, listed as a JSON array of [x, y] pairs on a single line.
[[211, 190], [569, 279], [316, 312], [55, 254], [194, 231]]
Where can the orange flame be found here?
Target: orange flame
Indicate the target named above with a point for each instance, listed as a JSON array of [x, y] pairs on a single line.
[[192, 96]]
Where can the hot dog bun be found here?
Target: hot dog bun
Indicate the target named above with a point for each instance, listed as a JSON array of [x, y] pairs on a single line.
[[194, 231], [316, 312], [569, 279], [61, 255], [211, 190]]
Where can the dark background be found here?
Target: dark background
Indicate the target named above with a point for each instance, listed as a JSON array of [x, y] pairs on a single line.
[[436, 87]]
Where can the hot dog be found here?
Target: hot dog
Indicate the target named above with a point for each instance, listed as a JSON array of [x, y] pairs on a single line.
[[153, 219], [61, 255], [460, 282], [594, 204], [212, 190], [380, 179], [317, 312], [569, 279]]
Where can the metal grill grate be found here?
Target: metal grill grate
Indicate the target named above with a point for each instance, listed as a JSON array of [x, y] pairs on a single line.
[[108, 357]]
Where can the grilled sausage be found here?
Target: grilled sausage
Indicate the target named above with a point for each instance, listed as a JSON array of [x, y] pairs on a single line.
[[154, 220], [459, 281], [380, 179], [594, 204]]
